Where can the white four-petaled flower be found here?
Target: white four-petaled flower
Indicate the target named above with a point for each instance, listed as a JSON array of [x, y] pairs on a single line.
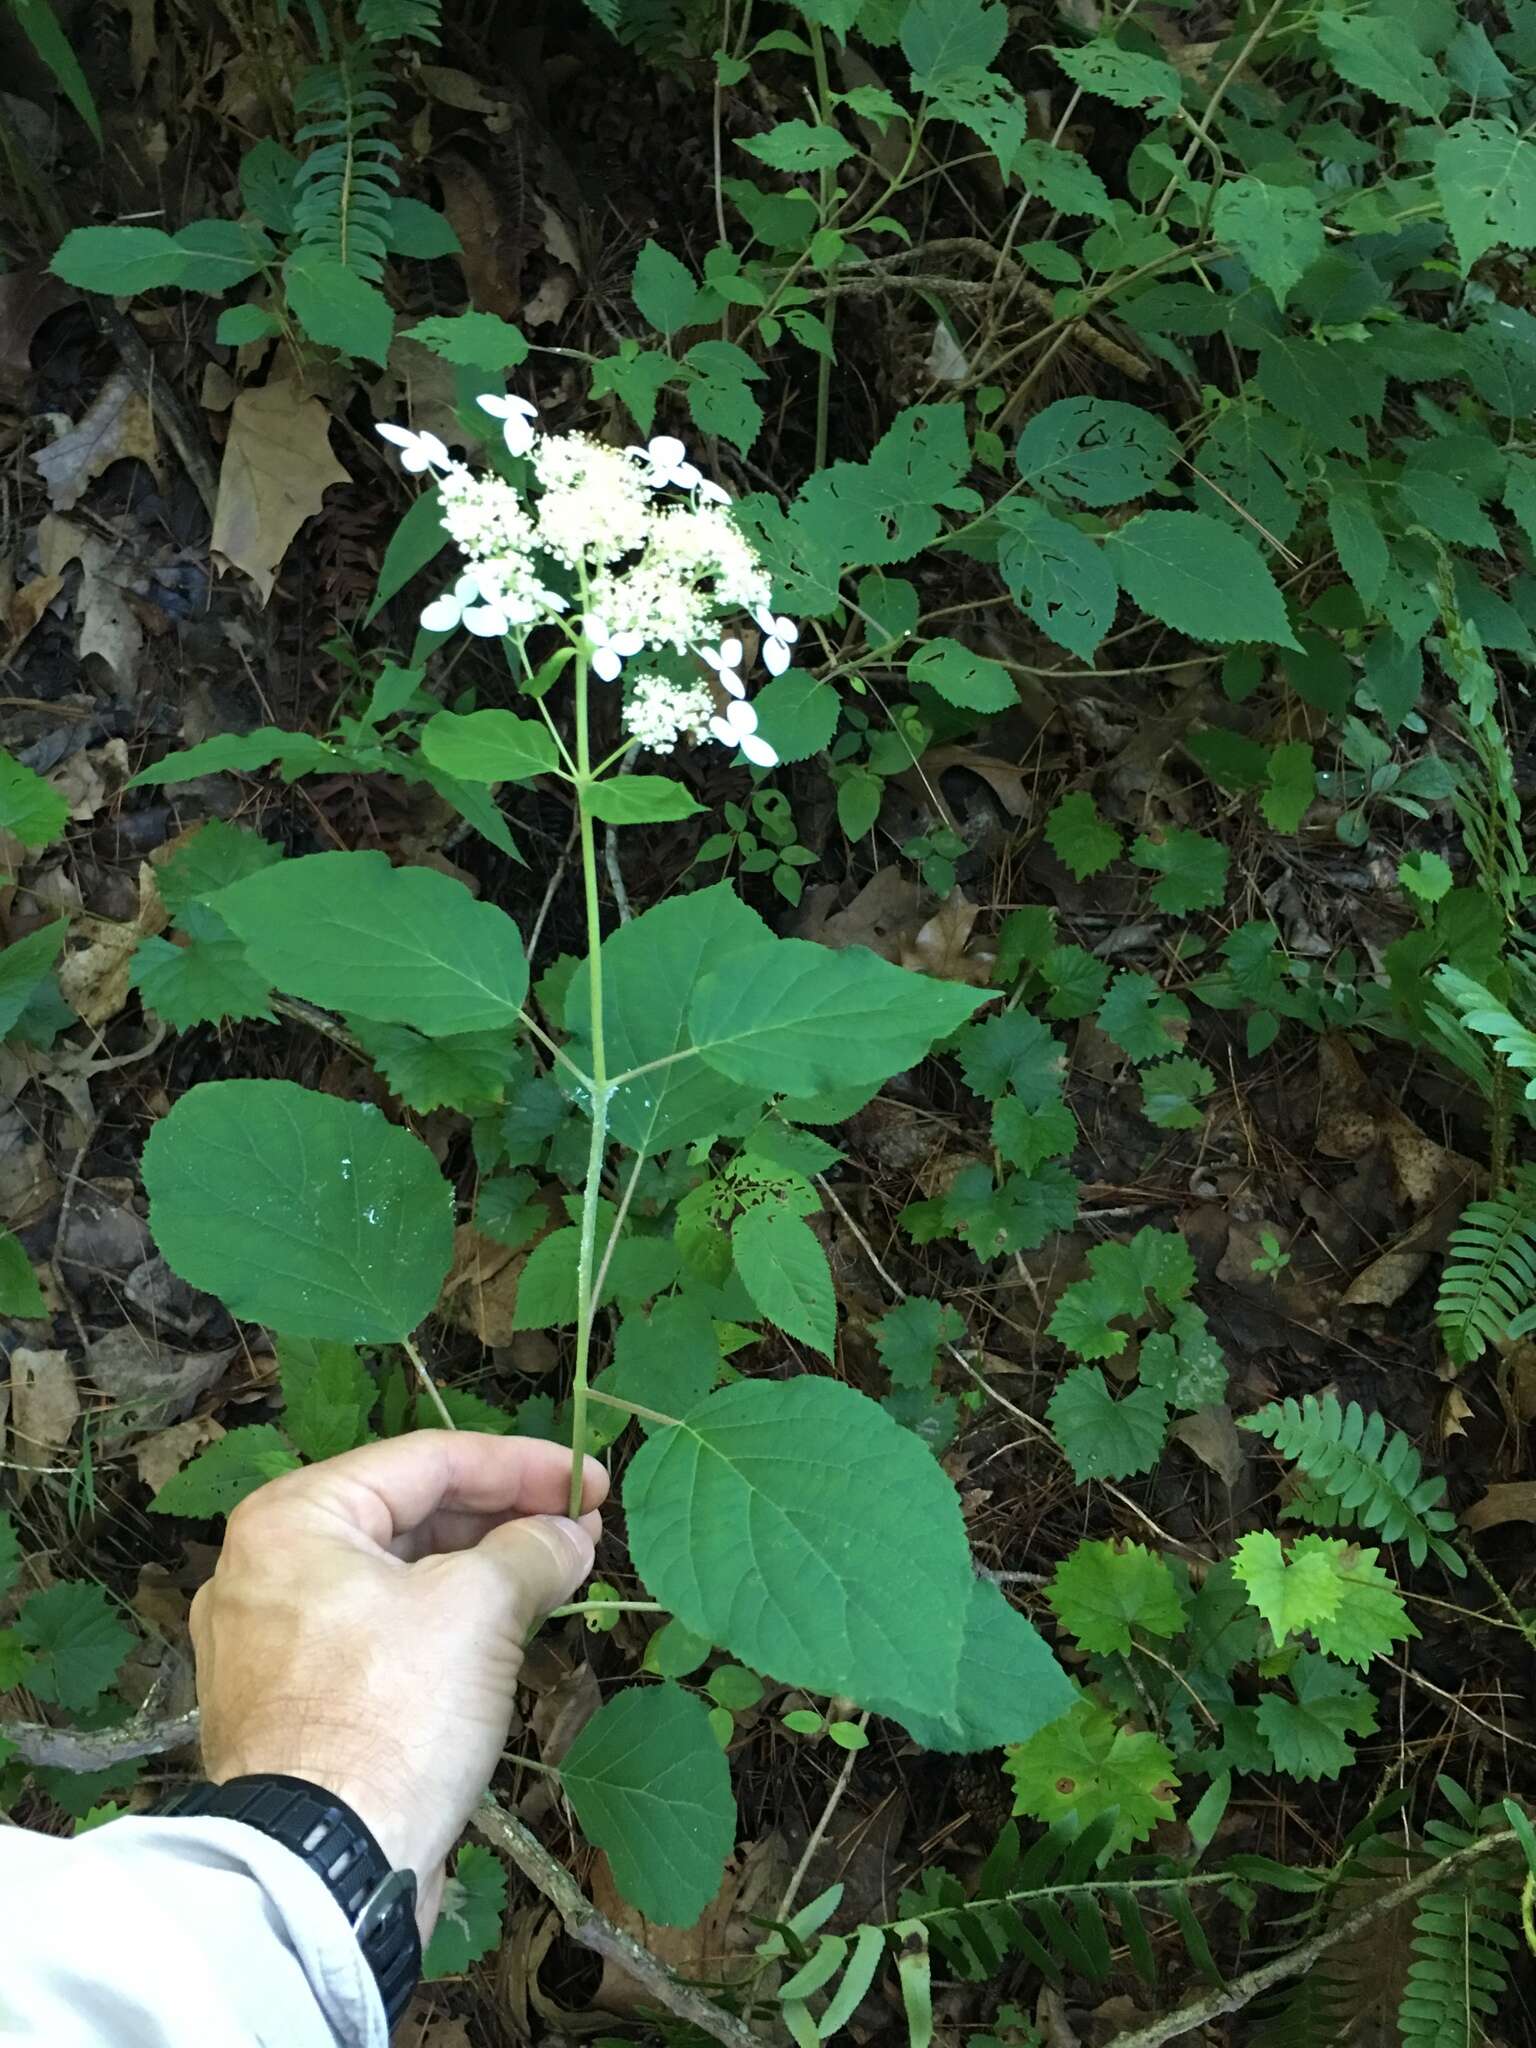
[[517, 417], [779, 636], [418, 452], [737, 727], [471, 605]]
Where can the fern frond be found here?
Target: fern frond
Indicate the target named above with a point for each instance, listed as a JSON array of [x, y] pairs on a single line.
[[393, 21], [1482, 1012], [1362, 1474], [1489, 810], [1489, 1282], [344, 189], [1462, 1941]]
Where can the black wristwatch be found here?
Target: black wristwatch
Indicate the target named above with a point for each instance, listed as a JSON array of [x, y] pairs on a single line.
[[324, 1832]]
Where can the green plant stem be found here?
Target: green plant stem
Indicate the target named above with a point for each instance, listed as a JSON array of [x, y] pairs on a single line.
[[618, 1223], [605, 1607], [827, 190], [556, 1051], [1518, 1620], [585, 1299], [429, 1385], [632, 1408]]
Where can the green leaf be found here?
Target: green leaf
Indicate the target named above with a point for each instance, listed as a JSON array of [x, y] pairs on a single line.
[[799, 1527], [1027, 1138], [122, 261], [1105, 1590], [797, 715], [395, 945], [792, 1018], [1374, 51], [1126, 77], [664, 291], [219, 1478], [30, 808], [1096, 450], [784, 1269], [77, 1642], [720, 400], [973, 681], [1362, 548], [799, 146], [667, 1360], [1193, 867], [219, 254], [1426, 876], [24, 966], [205, 982], [940, 37], [336, 308], [295, 753], [1064, 577], [471, 1071], [43, 30], [10, 1556], [1076, 981], [1009, 1685], [20, 1294], [909, 1336], [1291, 785], [1307, 1735], [1370, 1618], [652, 1789], [267, 176], [1081, 840], [412, 228], [1084, 1765], [1063, 180], [328, 1395], [1102, 1437], [299, 1210], [1012, 1051], [1290, 1592], [488, 746], [419, 537], [639, 800], [238, 325], [885, 510], [1485, 175], [1143, 1021], [474, 1907], [1276, 229], [1198, 576], [475, 341], [1170, 1091], [652, 968], [213, 857]]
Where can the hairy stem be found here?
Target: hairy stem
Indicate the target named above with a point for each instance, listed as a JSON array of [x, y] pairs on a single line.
[[585, 1261]]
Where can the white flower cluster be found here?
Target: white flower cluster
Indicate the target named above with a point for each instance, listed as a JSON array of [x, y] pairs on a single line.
[[657, 712], [656, 573]]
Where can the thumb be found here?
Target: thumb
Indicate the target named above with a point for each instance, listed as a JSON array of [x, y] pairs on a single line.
[[543, 1559]]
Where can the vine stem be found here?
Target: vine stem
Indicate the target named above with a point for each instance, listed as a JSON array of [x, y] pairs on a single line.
[[1526, 1628], [585, 1293], [827, 188], [429, 1385]]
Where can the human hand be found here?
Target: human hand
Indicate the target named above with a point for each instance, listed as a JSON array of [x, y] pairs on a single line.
[[364, 1627]]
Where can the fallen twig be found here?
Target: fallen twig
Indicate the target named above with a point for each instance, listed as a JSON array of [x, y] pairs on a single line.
[[76, 1749], [592, 1930]]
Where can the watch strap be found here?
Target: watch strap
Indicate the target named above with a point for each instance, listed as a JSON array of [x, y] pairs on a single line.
[[339, 1847]]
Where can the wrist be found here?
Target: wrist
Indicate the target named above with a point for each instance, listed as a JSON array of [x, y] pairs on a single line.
[[338, 1772]]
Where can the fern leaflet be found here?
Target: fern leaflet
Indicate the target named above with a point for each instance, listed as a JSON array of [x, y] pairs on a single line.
[[1461, 1942], [1488, 1288], [1482, 1012], [393, 21], [1361, 1474], [344, 190]]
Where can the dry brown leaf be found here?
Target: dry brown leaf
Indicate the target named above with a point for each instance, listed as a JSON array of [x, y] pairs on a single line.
[[141, 38], [1385, 1280], [888, 905], [480, 1293], [1454, 1410], [456, 89], [27, 606], [939, 947], [491, 271], [27, 297], [1513, 1503], [421, 387], [1005, 779], [116, 426], [278, 465], [718, 1948], [109, 625], [45, 1406], [28, 1186], [89, 780], [94, 980], [161, 1456], [1212, 1435]]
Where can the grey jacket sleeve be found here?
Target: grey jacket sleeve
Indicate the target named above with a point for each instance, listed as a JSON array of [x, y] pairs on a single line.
[[176, 1934]]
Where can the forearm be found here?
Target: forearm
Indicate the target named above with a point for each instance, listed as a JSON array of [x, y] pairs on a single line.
[[175, 1934]]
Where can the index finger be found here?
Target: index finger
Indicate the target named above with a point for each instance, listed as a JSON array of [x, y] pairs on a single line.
[[388, 1490]]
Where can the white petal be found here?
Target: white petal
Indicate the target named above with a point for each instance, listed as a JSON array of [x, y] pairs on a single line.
[[713, 656], [686, 476], [441, 615], [776, 657], [722, 732], [740, 716], [596, 629], [758, 752], [666, 451], [525, 406], [627, 643], [713, 493], [733, 682], [519, 436], [763, 619], [401, 436], [786, 629], [486, 621], [498, 408], [435, 451], [606, 664], [730, 652]]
